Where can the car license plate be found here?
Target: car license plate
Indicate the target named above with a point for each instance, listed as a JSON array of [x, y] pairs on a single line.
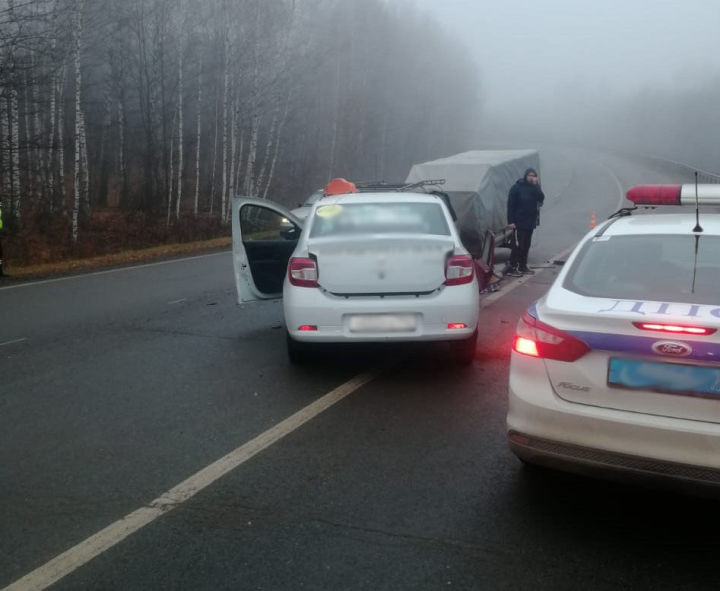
[[382, 323], [675, 378]]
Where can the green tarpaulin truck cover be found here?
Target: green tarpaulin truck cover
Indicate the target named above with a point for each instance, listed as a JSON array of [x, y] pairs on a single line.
[[477, 183]]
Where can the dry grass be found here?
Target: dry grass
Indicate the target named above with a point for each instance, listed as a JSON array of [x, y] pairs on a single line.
[[119, 258]]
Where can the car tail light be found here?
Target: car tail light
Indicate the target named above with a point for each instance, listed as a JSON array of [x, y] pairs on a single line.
[[675, 328], [303, 272], [526, 346], [456, 325], [307, 328], [538, 339], [459, 269]]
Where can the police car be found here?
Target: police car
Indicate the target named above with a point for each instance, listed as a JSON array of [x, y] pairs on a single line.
[[616, 370], [384, 266]]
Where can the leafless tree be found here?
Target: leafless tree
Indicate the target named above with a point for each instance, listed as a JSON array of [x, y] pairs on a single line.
[[270, 97]]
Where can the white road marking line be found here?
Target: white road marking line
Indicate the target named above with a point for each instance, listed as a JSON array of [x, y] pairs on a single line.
[[78, 555], [107, 271], [177, 301], [622, 202], [13, 342]]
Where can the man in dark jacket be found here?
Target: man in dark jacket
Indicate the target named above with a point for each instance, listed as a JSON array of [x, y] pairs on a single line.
[[524, 202]]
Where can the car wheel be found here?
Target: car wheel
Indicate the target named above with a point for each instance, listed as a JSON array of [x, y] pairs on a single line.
[[463, 352], [298, 352]]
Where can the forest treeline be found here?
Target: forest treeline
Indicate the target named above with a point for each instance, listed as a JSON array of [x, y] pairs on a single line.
[[126, 120]]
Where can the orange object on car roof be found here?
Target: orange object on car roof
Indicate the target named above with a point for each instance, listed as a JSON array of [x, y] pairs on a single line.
[[340, 186]]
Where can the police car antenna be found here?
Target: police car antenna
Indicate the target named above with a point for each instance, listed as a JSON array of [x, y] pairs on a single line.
[[698, 227]]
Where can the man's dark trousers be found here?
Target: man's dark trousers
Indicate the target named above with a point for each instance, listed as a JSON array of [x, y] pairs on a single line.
[[521, 248]]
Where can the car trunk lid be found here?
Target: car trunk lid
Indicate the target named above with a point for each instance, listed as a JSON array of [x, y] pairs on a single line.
[[659, 370], [366, 265]]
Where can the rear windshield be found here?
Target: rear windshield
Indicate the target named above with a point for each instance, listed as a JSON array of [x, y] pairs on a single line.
[[647, 267], [379, 218]]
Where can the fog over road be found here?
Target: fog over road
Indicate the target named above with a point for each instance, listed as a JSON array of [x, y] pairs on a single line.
[[119, 385]]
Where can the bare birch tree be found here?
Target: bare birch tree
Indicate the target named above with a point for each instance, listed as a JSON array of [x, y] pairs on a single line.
[[180, 132], [79, 124], [281, 102], [198, 140], [14, 146], [276, 151], [225, 110]]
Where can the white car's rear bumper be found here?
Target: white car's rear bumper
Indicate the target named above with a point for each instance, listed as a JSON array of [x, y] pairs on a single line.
[[545, 429], [332, 315]]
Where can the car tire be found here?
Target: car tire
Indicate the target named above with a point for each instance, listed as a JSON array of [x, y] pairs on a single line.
[[463, 351], [298, 352]]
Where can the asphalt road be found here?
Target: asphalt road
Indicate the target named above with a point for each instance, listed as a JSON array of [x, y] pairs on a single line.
[[118, 386]]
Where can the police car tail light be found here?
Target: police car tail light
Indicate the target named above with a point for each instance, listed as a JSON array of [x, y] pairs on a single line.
[[459, 270], [675, 328], [674, 194], [537, 339], [303, 272]]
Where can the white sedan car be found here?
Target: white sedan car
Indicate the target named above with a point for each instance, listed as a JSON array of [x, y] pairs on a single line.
[[362, 267], [616, 370], [302, 210]]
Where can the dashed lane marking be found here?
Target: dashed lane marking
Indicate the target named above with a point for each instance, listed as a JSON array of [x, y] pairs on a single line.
[[22, 340]]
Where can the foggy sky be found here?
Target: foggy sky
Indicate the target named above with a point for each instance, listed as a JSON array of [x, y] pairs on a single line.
[[540, 55]]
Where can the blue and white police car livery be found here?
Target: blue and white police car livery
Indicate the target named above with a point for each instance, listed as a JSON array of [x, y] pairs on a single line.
[[616, 370]]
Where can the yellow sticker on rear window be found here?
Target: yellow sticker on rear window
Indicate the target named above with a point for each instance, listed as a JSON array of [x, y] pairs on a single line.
[[329, 211]]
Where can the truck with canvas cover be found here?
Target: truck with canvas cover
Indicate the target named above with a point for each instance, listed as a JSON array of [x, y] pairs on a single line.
[[477, 183]]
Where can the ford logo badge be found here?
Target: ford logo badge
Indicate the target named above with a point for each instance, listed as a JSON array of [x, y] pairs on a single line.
[[672, 348]]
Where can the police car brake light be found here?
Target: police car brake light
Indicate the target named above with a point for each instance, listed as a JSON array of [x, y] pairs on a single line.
[[675, 328], [537, 339], [674, 194]]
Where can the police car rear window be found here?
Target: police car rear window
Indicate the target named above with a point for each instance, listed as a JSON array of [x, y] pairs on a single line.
[[379, 218], [669, 268]]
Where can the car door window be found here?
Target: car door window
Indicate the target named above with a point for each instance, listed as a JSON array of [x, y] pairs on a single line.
[[259, 224], [269, 238]]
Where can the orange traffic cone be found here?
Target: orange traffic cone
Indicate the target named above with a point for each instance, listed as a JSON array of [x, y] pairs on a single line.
[[592, 219]]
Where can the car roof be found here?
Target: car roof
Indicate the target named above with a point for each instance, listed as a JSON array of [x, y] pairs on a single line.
[[670, 223], [380, 197]]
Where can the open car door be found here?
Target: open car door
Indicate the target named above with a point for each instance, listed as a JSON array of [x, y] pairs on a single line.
[[485, 263], [265, 234]]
